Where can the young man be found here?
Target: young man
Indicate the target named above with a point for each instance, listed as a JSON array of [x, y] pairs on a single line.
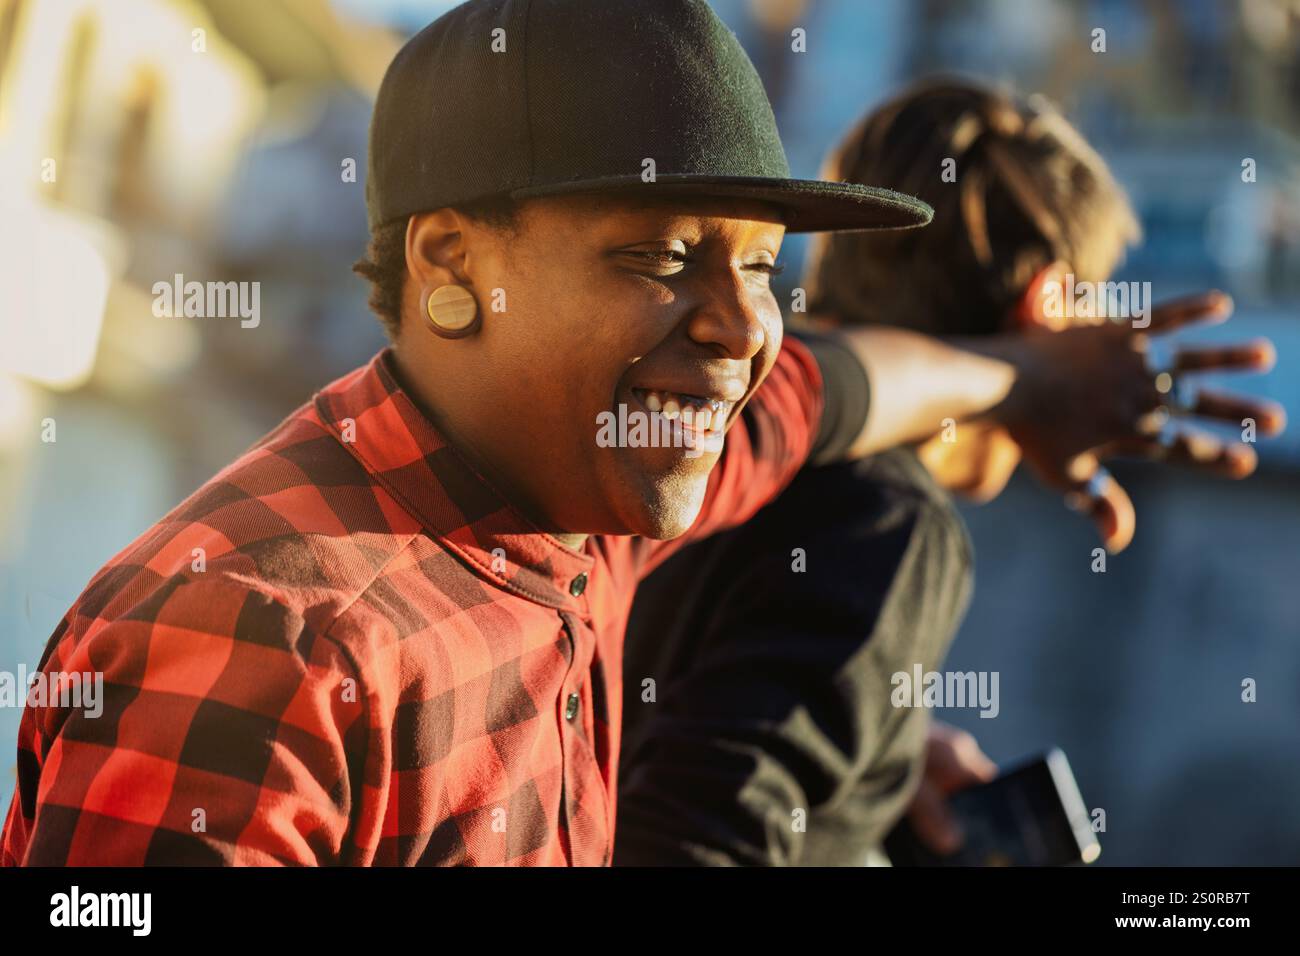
[[770, 736], [403, 643]]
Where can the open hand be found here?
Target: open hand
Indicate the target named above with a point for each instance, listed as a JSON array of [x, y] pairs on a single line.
[[1089, 392]]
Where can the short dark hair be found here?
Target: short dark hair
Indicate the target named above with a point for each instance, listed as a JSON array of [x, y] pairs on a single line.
[[1028, 190], [384, 264]]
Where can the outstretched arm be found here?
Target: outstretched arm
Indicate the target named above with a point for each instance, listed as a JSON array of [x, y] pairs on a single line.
[[1069, 398]]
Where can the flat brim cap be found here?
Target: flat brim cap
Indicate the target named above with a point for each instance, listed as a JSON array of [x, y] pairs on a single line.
[[535, 98]]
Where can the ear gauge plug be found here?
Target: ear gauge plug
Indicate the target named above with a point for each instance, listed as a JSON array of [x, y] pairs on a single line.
[[452, 312]]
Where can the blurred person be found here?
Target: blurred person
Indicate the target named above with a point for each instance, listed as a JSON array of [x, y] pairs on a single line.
[[771, 737], [391, 632]]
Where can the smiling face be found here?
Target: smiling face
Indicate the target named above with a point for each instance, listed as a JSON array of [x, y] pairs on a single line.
[[660, 307]]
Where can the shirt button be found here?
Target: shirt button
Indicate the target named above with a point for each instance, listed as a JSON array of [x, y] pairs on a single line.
[[571, 707], [578, 585]]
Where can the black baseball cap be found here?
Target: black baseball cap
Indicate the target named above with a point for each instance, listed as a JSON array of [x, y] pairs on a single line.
[[525, 98]]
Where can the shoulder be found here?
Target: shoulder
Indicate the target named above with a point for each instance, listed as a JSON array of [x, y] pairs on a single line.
[[896, 487], [200, 637], [848, 543], [888, 530], [844, 539], [887, 503], [294, 529]]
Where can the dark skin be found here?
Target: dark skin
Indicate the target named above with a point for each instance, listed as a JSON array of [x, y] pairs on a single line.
[[982, 463], [602, 295]]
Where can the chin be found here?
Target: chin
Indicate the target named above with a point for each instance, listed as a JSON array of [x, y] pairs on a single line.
[[667, 508], [665, 528], [655, 492]]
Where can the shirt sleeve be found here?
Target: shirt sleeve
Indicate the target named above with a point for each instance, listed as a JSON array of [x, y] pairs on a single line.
[[219, 736], [846, 396], [765, 448]]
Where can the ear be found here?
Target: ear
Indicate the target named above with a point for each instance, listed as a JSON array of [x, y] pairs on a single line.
[[436, 249], [1040, 306]]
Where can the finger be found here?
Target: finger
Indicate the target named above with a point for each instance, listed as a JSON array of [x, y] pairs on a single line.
[[933, 822], [1207, 307], [1257, 356], [1114, 517], [1209, 453], [1096, 493], [1192, 448], [973, 765], [954, 760], [1269, 417]]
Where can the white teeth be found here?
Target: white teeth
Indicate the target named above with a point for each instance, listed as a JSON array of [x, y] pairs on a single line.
[[710, 417]]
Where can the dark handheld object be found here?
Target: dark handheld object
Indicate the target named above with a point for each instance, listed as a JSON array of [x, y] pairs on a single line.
[[1031, 815]]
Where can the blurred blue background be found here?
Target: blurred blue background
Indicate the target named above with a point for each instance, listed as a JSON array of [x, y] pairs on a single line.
[[227, 163]]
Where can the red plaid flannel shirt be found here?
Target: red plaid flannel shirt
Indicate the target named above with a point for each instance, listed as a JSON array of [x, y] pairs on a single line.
[[372, 660]]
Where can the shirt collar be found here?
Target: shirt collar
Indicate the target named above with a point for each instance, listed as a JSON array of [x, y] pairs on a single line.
[[377, 422]]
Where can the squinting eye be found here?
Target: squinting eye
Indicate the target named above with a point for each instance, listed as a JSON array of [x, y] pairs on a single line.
[[661, 257], [765, 269], [666, 261]]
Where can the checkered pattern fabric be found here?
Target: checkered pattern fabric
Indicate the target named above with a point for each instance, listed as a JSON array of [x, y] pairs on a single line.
[[346, 648]]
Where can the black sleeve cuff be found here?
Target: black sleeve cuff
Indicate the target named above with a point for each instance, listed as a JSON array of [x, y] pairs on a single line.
[[847, 396]]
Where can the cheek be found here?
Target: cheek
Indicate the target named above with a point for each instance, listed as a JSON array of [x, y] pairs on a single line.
[[774, 325], [599, 328], [769, 316], [566, 343], [541, 330]]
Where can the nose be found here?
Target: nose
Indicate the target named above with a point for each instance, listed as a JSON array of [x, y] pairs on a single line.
[[731, 316]]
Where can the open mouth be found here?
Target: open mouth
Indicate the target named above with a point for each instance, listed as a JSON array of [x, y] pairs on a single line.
[[695, 412]]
